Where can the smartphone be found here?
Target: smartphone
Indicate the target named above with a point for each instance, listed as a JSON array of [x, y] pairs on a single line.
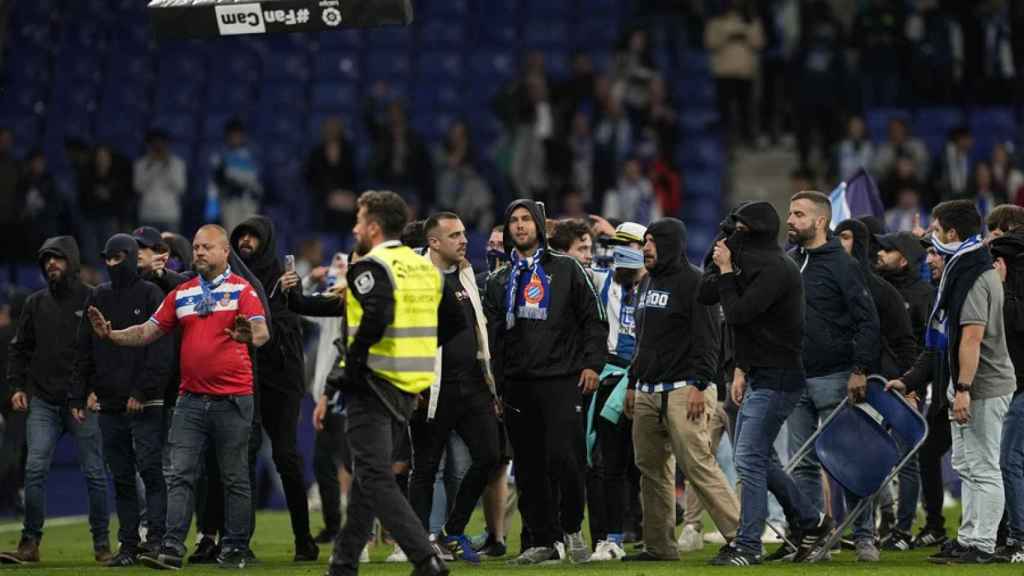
[[289, 263], [543, 209]]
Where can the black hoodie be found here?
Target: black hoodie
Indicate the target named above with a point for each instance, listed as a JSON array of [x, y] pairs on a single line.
[[116, 373], [841, 333], [280, 360], [574, 335], [919, 296], [677, 336], [897, 346], [1011, 249], [42, 352], [763, 298]]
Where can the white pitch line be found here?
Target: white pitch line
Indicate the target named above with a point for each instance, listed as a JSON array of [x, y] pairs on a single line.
[[64, 521]]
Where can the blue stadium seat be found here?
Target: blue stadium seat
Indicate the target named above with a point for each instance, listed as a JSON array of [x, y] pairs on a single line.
[[181, 127], [541, 9], [286, 68], [86, 35], [439, 67], [26, 65], [492, 67], [21, 99], [442, 33], [704, 209], [696, 64], [351, 126], [341, 39], [556, 63], [337, 65], [183, 65], [448, 9], [547, 34], [213, 124], [597, 33], [991, 126], [181, 96], [436, 97], [329, 96], [389, 66], [877, 121], [432, 126], [933, 125], [29, 276], [281, 96], [136, 66], [24, 127], [229, 96], [236, 65], [391, 37], [695, 91], [702, 184], [701, 153], [697, 120]]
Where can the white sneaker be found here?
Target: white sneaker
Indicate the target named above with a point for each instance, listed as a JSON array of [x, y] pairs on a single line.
[[364, 556], [715, 538], [397, 555], [607, 551], [770, 537], [576, 549], [691, 540]]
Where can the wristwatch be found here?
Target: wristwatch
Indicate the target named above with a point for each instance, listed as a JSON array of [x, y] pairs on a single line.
[[962, 387]]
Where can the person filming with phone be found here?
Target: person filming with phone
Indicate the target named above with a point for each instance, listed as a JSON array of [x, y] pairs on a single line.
[[280, 373]]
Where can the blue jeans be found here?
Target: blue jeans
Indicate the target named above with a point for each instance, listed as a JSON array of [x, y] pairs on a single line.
[[1011, 462], [134, 443], [223, 424], [454, 465], [760, 418], [822, 396], [45, 425]]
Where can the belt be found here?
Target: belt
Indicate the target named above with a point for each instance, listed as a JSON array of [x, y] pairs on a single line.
[[662, 386], [209, 397]]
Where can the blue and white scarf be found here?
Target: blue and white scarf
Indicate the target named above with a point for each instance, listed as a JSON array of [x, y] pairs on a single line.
[[206, 305], [530, 302]]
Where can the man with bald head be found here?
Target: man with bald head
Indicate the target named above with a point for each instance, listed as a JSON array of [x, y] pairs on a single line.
[[220, 315]]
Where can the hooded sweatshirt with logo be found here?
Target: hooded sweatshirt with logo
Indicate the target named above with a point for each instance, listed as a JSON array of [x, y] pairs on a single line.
[[280, 360], [42, 353], [677, 336], [574, 334], [841, 332], [763, 298], [897, 346], [116, 373]]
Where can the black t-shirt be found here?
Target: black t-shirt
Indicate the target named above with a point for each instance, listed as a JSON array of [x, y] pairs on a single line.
[[459, 360]]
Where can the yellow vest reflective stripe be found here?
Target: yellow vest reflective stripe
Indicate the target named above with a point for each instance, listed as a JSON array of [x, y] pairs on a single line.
[[405, 356]]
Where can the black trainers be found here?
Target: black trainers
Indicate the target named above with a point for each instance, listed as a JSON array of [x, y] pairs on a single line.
[[491, 548], [234, 559], [307, 551], [164, 559], [125, 557], [206, 552], [974, 556], [325, 536], [730, 555], [949, 552], [644, 556], [1011, 553], [783, 552], [811, 539], [929, 537], [898, 541]]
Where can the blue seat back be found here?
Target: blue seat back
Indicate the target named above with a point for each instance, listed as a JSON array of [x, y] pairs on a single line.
[[904, 422], [857, 451]]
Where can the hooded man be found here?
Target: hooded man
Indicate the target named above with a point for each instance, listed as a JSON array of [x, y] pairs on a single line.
[[280, 376], [841, 344], [129, 384], [672, 393], [39, 370], [609, 437], [899, 262], [549, 343], [898, 352], [762, 298], [968, 362]]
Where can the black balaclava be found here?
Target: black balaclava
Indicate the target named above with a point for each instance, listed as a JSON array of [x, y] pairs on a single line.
[[126, 273]]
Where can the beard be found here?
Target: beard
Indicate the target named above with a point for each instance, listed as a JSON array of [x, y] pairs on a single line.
[[800, 237], [362, 247], [56, 279], [626, 276]]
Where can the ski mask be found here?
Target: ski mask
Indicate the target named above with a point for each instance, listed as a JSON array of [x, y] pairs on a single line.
[[495, 258], [126, 273]]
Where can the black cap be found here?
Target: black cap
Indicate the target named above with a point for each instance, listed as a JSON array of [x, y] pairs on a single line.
[[905, 243], [147, 237], [119, 243]]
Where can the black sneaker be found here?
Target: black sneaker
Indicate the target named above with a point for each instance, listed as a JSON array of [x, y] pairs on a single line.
[[307, 551], [949, 552], [492, 549], [783, 552], [898, 541], [326, 536], [164, 559], [812, 539], [929, 537], [644, 556], [234, 559], [730, 555], [125, 557], [1012, 553], [206, 552], [974, 556]]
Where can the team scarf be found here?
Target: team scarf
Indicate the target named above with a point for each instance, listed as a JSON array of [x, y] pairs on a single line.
[[205, 306], [530, 302], [937, 336]]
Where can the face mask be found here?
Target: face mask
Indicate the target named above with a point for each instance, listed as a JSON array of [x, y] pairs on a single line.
[[626, 257], [122, 274], [494, 259]]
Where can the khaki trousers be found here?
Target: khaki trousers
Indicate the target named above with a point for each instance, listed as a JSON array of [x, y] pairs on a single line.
[[657, 438], [694, 509]]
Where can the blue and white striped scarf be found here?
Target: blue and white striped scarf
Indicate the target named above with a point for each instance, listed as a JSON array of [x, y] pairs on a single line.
[[530, 302]]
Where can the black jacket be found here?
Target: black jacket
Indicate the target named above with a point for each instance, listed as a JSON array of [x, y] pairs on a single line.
[[572, 338], [42, 353], [677, 336], [897, 347], [841, 331], [763, 298], [1011, 249], [280, 360], [918, 295], [116, 373]]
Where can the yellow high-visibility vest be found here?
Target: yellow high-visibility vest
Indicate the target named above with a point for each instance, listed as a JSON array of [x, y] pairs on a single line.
[[406, 354]]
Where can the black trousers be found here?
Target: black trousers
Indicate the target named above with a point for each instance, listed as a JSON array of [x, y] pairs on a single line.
[[468, 409], [133, 444], [280, 411], [371, 430], [330, 451], [544, 425], [606, 478], [936, 445]]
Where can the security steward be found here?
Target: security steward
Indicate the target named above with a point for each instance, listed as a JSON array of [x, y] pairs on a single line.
[[392, 308]]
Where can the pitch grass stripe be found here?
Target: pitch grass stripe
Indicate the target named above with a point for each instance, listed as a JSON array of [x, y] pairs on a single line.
[[50, 522]]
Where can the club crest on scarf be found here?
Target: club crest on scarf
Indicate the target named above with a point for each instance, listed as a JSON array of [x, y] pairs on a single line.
[[528, 290]]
